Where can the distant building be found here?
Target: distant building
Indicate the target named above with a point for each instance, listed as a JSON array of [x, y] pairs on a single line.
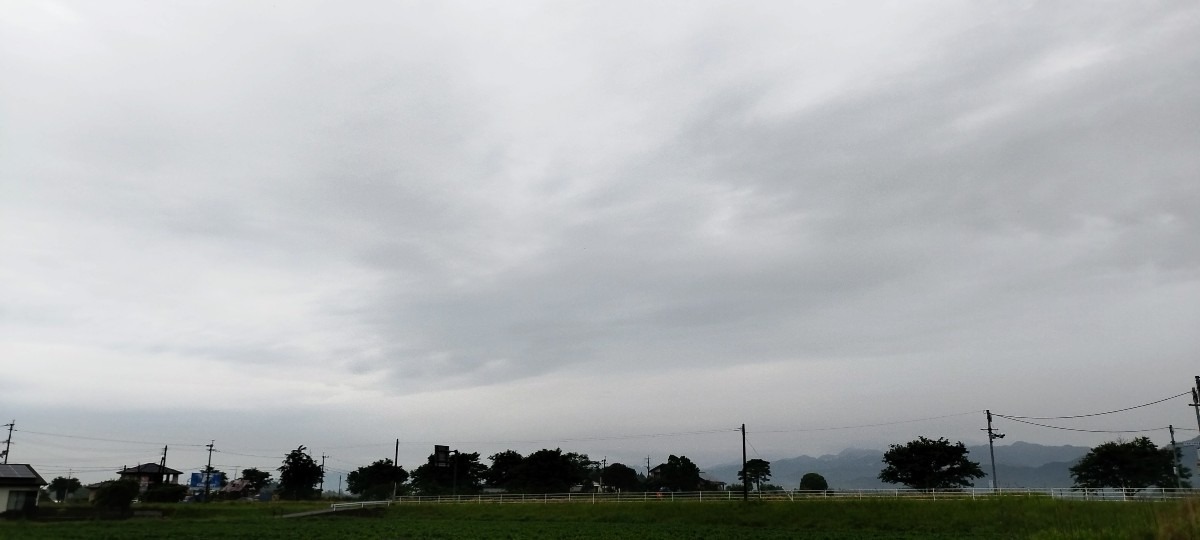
[[150, 474], [20, 486]]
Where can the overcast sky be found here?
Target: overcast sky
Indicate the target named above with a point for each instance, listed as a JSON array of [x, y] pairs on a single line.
[[619, 228]]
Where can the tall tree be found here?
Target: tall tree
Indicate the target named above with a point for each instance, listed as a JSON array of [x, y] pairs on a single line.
[[257, 479], [677, 474], [375, 481], [550, 471], [1129, 466], [299, 476], [621, 477], [503, 470], [757, 471], [61, 487], [463, 476], [929, 464], [813, 482]]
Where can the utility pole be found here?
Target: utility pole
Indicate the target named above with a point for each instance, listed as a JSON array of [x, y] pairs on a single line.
[[395, 469], [322, 488], [603, 465], [1174, 457], [647, 466], [992, 436], [1196, 406], [162, 466], [8, 441], [208, 469], [745, 482], [454, 490]]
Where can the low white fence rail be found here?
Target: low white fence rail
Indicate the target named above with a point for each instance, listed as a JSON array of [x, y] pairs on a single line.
[[1148, 494]]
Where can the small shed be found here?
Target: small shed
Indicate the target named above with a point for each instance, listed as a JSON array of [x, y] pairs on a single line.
[[20, 486]]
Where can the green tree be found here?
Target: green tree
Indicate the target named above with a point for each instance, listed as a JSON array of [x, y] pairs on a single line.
[[813, 482], [757, 471], [463, 476], [621, 477], [677, 474], [929, 464], [377, 480], [116, 495], [299, 476], [1129, 466], [165, 493], [550, 471], [503, 470], [257, 479], [61, 487]]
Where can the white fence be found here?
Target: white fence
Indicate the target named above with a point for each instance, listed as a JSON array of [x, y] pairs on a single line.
[[1149, 494]]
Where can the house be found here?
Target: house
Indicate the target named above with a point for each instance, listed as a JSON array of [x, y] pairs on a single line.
[[150, 474], [20, 486], [238, 488], [708, 483]]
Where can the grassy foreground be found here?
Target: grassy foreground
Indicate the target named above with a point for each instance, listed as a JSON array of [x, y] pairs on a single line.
[[1040, 519]]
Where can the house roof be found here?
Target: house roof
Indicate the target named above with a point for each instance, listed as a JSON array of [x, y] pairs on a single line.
[[149, 468], [237, 485], [20, 475]]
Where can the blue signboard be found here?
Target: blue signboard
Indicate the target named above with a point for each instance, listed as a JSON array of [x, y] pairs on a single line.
[[197, 481]]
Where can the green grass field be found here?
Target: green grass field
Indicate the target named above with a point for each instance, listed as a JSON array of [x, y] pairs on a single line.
[[1032, 518]]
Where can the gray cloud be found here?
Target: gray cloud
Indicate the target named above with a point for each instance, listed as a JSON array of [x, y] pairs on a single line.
[[355, 206]]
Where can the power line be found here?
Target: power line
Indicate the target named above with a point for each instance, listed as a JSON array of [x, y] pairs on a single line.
[[585, 439], [860, 426], [1083, 430], [1096, 414], [105, 440]]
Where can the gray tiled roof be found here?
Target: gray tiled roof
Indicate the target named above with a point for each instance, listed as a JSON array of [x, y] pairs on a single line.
[[149, 468]]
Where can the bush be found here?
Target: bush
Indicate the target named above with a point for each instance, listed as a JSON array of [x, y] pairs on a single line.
[[165, 493], [116, 495]]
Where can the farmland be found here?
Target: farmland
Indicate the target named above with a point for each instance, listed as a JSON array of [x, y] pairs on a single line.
[[1036, 518]]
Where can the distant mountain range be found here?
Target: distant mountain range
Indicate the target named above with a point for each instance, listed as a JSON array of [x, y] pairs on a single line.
[[1019, 464]]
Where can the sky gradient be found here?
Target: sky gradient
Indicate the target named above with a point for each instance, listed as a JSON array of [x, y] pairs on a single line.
[[619, 228]]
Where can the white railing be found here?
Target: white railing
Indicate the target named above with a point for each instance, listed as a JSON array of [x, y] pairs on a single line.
[[357, 505], [1147, 494]]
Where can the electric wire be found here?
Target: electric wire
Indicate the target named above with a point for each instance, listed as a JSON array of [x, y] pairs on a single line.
[[1013, 417], [860, 426], [123, 441], [1082, 430]]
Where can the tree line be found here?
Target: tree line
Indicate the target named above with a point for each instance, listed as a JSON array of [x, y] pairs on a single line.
[[923, 463]]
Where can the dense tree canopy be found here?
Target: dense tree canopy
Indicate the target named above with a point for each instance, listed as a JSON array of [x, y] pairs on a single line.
[[677, 474], [550, 471], [464, 475], [1130, 466], [376, 481], [116, 495], [621, 477], [503, 470], [757, 471], [61, 487], [257, 479], [165, 493], [929, 464], [299, 476], [813, 482]]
